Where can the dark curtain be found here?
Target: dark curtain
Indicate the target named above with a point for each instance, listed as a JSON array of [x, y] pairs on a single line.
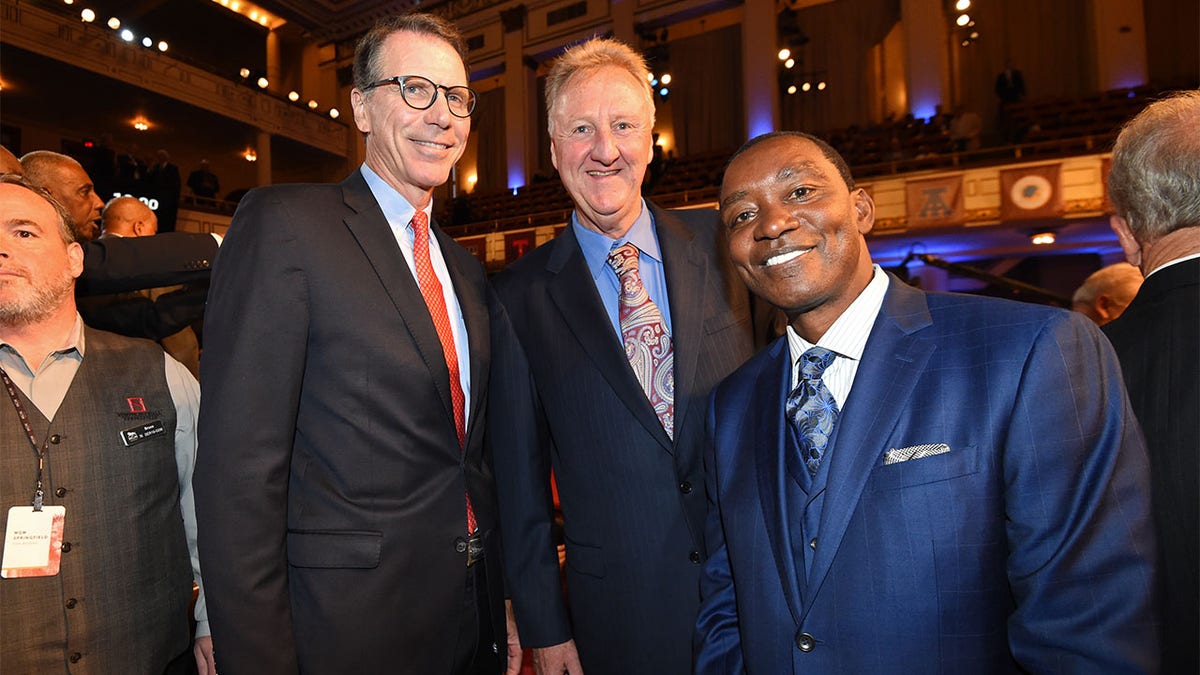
[[1047, 41], [706, 101], [1173, 42], [487, 128], [841, 35]]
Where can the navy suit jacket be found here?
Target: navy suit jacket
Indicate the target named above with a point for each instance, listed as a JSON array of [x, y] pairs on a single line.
[[564, 395], [329, 479], [1027, 545]]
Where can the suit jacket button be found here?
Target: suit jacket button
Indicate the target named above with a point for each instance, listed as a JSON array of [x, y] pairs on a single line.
[[74, 657], [71, 603], [66, 547], [55, 439], [805, 642], [812, 543], [60, 492], [694, 556], [460, 545], [685, 487]]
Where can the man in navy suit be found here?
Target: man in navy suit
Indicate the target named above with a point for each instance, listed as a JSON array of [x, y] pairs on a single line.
[[911, 482], [1154, 186], [610, 396]]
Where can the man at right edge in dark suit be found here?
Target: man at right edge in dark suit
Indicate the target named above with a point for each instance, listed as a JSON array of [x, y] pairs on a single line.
[[625, 322], [1154, 187], [344, 504]]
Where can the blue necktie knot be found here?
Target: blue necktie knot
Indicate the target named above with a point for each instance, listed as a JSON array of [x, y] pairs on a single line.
[[814, 362]]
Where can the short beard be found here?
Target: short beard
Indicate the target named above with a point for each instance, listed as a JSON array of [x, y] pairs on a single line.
[[45, 300]]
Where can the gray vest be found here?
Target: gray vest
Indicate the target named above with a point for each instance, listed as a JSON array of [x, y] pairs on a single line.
[[119, 603]]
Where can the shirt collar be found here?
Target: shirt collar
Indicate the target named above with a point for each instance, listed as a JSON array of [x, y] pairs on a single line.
[[74, 347], [397, 209], [596, 246], [1172, 262], [847, 337]]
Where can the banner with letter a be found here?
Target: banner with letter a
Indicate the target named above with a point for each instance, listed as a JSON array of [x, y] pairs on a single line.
[[935, 202], [1030, 193]]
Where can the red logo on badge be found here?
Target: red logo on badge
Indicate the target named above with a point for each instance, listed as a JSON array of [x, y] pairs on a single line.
[[136, 404]]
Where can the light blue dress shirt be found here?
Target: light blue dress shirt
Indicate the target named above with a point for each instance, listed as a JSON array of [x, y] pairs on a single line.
[[596, 247], [399, 214]]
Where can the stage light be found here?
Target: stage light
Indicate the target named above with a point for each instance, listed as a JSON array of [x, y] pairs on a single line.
[[127, 35], [293, 96], [333, 113], [147, 42], [963, 19], [263, 82], [666, 78], [312, 104], [87, 15], [785, 54], [806, 86], [163, 46], [821, 86], [789, 63], [962, 5], [114, 23], [244, 72], [791, 89], [1043, 238]]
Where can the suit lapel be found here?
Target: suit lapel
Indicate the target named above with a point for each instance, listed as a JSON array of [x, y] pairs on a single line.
[[370, 228], [770, 447], [686, 273], [574, 293], [893, 360]]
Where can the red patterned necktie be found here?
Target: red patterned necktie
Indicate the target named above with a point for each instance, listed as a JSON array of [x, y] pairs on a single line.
[[647, 342], [431, 290]]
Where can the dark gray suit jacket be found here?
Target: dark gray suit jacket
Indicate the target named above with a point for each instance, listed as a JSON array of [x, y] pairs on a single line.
[[329, 482], [564, 396]]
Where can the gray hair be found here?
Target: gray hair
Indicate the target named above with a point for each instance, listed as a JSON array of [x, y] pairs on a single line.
[[1154, 183], [64, 220], [366, 53], [590, 56]]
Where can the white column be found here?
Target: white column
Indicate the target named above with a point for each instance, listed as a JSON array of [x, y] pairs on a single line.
[[760, 63], [928, 66], [1120, 43]]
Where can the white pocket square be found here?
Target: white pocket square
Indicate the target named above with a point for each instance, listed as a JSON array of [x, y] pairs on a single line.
[[897, 455]]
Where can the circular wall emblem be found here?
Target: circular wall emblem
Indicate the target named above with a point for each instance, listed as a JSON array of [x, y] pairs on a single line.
[[1031, 192]]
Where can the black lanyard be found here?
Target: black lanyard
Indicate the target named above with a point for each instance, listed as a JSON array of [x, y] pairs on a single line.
[[41, 454]]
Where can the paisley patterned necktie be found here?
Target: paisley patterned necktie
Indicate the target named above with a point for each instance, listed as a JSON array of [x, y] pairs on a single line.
[[647, 342], [811, 409]]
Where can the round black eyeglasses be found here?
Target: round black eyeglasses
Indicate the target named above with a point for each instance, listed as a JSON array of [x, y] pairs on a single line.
[[420, 93]]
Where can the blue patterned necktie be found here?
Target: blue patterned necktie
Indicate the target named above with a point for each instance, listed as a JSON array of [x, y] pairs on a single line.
[[811, 409]]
